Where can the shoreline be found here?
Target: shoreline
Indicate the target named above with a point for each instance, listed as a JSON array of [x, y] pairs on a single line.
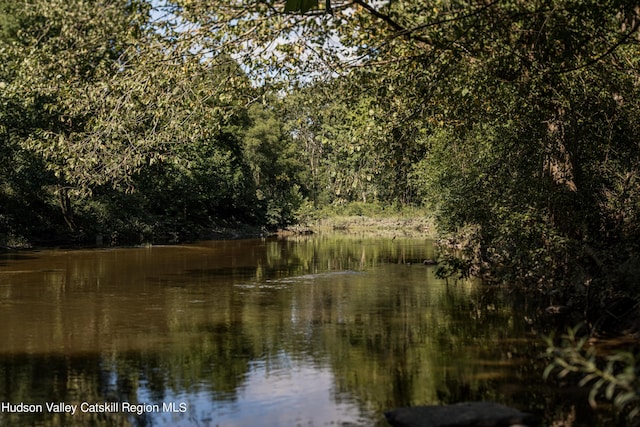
[[370, 226]]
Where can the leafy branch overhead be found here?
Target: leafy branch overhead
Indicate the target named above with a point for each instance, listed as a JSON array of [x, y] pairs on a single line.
[[300, 5]]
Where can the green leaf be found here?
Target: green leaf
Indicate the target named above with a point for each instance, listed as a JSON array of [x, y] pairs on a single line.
[[301, 6], [610, 390], [587, 379], [547, 371]]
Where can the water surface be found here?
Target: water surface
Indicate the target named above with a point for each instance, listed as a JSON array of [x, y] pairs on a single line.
[[327, 330]]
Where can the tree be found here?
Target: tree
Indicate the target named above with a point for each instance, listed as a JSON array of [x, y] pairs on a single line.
[[97, 93], [58, 56], [275, 164]]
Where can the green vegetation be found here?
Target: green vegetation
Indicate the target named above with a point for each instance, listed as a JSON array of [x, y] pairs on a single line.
[[613, 376], [112, 128], [515, 123]]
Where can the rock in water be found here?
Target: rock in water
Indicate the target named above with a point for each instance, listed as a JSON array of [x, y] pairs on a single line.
[[467, 414]]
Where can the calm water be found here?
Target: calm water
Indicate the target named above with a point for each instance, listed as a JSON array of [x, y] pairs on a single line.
[[271, 332]]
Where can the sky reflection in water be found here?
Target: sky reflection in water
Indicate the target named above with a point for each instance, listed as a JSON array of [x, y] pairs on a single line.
[[293, 394]]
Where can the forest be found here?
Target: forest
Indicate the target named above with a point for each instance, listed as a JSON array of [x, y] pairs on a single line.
[[515, 123]]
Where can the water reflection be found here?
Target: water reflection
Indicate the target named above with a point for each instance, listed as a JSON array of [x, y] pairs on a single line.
[[317, 331]]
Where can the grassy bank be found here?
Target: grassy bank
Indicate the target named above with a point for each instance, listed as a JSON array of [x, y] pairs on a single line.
[[367, 220]]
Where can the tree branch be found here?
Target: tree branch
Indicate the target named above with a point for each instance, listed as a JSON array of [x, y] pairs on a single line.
[[392, 23], [410, 33], [606, 53]]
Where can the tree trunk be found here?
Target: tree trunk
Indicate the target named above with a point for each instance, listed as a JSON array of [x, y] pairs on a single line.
[[65, 207]]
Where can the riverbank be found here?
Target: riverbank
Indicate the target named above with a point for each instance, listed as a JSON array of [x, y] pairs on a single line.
[[390, 227], [162, 235], [361, 219], [370, 220]]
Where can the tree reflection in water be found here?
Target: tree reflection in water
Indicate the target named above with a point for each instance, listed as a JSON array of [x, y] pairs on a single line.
[[329, 329]]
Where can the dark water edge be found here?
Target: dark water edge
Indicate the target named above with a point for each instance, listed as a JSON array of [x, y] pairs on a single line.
[[163, 234], [309, 331]]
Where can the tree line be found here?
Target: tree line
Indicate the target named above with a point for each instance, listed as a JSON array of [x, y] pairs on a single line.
[[111, 127]]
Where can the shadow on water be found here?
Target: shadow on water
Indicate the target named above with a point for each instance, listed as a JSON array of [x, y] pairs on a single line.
[[8, 257], [317, 331]]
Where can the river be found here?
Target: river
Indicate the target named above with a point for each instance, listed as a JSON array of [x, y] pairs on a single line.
[[310, 331]]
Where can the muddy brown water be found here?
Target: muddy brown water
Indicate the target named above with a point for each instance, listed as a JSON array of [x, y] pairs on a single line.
[[323, 330]]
